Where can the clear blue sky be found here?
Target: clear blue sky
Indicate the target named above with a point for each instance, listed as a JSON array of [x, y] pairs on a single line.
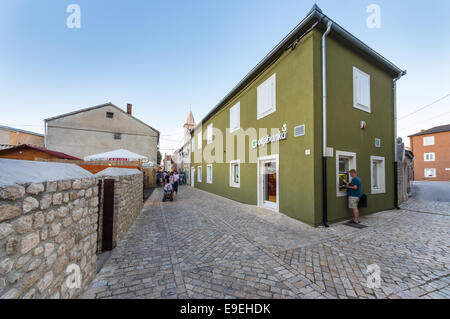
[[163, 56]]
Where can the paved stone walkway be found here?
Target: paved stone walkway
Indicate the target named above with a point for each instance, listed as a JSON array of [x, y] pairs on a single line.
[[205, 246]]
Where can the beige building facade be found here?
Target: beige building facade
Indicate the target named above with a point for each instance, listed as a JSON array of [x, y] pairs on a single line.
[[101, 129], [10, 137]]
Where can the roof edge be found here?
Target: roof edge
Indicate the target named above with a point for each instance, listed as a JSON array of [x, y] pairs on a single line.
[[97, 107], [315, 14]]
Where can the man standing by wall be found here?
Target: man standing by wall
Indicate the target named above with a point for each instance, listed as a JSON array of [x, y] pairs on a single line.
[[354, 195]]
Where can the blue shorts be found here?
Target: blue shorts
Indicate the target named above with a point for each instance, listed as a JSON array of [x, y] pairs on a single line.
[[175, 187]]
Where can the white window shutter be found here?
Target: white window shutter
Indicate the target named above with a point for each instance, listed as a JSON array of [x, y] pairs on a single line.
[[266, 97], [361, 87], [209, 133], [235, 121]]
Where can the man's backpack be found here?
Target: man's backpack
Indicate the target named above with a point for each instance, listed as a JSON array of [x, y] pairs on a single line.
[[363, 201]]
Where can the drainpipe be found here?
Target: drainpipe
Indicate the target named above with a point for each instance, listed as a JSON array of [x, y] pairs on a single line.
[[324, 126], [45, 134], [403, 73]]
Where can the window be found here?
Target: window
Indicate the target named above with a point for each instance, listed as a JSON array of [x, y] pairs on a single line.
[[345, 161], [430, 172], [428, 141], [110, 115], [235, 174], [193, 144], [235, 117], [199, 174], [199, 141], [429, 157], [266, 97], [361, 90], [378, 176], [117, 136], [209, 134], [209, 173]]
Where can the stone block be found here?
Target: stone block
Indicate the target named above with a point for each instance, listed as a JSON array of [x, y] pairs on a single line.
[[57, 199], [8, 212], [29, 242], [35, 189], [22, 261], [45, 282], [46, 201], [38, 220], [6, 266], [51, 187], [5, 230], [24, 224], [13, 192], [64, 185]]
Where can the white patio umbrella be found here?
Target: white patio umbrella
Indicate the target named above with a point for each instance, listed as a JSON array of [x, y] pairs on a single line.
[[117, 155]]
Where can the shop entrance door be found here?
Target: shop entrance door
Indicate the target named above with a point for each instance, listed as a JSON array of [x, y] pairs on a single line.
[[268, 182], [192, 176]]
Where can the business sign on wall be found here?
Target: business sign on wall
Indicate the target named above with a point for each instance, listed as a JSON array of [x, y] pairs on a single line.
[[280, 136]]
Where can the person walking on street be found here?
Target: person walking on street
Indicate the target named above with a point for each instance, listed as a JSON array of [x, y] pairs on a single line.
[[354, 195], [176, 180]]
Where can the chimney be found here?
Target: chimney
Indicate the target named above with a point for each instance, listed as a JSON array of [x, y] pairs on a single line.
[[129, 108]]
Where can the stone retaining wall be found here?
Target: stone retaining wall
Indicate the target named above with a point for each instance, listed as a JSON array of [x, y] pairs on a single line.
[[128, 203], [44, 229]]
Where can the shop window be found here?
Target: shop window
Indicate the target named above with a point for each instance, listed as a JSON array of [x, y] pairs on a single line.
[[199, 174], [209, 173], [430, 172], [235, 117], [378, 175], [235, 174], [266, 97], [428, 141], [429, 157], [345, 161], [361, 90], [209, 134]]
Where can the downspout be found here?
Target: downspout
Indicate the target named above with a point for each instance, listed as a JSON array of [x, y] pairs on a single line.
[[45, 136], [324, 126], [403, 73]]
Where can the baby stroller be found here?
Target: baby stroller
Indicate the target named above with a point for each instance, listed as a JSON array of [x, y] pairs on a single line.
[[168, 192]]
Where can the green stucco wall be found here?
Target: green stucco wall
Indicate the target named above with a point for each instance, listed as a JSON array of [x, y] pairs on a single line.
[[295, 100], [299, 101], [344, 131]]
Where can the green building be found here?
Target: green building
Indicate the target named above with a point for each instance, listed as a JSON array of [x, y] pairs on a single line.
[[268, 143]]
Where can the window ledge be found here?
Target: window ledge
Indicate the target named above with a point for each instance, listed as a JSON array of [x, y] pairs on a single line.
[[362, 108], [263, 115]]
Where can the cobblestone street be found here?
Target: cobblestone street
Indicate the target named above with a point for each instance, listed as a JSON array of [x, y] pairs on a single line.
[[205, 246]]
